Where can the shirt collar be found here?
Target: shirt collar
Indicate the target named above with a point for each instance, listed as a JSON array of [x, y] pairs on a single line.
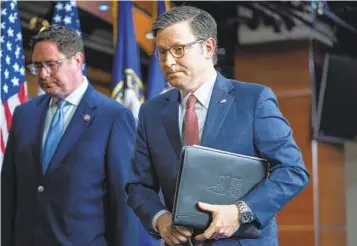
[[75, 97], [203, 93]]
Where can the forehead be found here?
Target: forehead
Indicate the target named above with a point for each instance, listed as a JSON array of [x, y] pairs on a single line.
[[46, 50], [178, 33]]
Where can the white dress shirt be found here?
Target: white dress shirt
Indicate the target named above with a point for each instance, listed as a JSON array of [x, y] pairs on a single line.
[[70, 107], [203, 95]]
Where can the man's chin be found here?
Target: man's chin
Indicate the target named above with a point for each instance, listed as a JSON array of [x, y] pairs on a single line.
[[49, 91], [177, 83]]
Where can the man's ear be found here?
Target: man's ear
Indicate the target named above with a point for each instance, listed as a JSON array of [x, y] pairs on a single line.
[[79, 59], [210, 46]]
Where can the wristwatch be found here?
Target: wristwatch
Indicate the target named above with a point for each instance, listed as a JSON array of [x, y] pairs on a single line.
[[245, 214]]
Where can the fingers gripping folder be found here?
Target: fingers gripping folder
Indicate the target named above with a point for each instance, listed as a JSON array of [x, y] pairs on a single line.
[[216, 177]]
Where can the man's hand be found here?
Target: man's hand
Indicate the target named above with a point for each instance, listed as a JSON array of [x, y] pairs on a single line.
[[170, 233], [225, 221]]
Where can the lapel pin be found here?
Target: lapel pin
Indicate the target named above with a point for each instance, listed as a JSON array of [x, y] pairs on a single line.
[[222, 101], [86, 117]]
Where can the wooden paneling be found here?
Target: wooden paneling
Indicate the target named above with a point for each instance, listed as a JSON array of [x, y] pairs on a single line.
[[32, 85], [98, 75], [300, 210], [335, 237], [147, 6], [284, 68], [332, 196], [305, 237], [331, 186], [142, 19], [93, 8], [143, 25]]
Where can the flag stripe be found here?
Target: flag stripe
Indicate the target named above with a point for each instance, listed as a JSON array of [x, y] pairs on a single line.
[[2, 147], [23, 93], [8, 116], [3, 140], [3, 131]]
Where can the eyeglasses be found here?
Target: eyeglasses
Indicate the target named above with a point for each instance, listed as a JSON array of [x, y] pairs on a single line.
[[50, 66], [176, 51]]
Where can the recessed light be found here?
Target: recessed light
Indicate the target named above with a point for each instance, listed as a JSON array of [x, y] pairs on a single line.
[[103, 7], [150, 35]]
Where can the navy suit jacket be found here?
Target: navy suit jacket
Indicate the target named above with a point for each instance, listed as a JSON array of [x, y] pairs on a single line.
[[83, 200], [249, 123]]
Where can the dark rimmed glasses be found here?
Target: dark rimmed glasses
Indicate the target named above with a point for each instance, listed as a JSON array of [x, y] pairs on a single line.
[[177, 50], [50, 66]]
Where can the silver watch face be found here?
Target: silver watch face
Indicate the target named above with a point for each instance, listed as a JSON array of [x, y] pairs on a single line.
[[246, 217]]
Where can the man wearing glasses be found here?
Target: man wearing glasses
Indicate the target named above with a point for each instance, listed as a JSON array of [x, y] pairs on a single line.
[[208, 109], [66, 162]]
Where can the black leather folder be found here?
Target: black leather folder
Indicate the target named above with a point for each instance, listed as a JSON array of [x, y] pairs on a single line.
[[216, 177]]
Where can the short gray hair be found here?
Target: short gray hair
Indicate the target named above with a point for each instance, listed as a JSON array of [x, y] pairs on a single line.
[[67, 40], [202, 24]]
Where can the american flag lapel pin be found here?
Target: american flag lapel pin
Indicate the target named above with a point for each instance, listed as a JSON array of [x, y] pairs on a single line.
[[86, 117], [223, 101]]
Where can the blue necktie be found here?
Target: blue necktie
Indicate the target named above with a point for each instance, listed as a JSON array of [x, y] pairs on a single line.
[[54, 135]]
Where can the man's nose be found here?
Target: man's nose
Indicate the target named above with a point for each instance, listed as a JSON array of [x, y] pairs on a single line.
[[43, 72], [169, 59]]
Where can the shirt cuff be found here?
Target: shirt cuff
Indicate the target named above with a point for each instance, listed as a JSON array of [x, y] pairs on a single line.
[[161, 212]]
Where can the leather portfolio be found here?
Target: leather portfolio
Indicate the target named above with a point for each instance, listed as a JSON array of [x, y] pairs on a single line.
[[216, 177]]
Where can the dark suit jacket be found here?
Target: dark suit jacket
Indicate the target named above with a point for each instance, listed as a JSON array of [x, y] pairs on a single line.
[[249, 123], [83, 200]]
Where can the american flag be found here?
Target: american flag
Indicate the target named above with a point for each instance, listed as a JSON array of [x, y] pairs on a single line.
[[66, 14], [13, 88]]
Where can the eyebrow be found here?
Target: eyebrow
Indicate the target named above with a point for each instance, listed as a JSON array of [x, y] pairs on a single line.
[[161, 47], [43, 61]]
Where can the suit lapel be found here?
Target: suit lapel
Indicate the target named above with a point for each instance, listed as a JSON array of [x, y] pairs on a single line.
[[40, 116], [82, 118], [170, 118], [219, 106]]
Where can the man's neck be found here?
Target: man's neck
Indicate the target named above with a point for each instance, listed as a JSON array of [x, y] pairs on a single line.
[[78, 80], [203, 79]]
